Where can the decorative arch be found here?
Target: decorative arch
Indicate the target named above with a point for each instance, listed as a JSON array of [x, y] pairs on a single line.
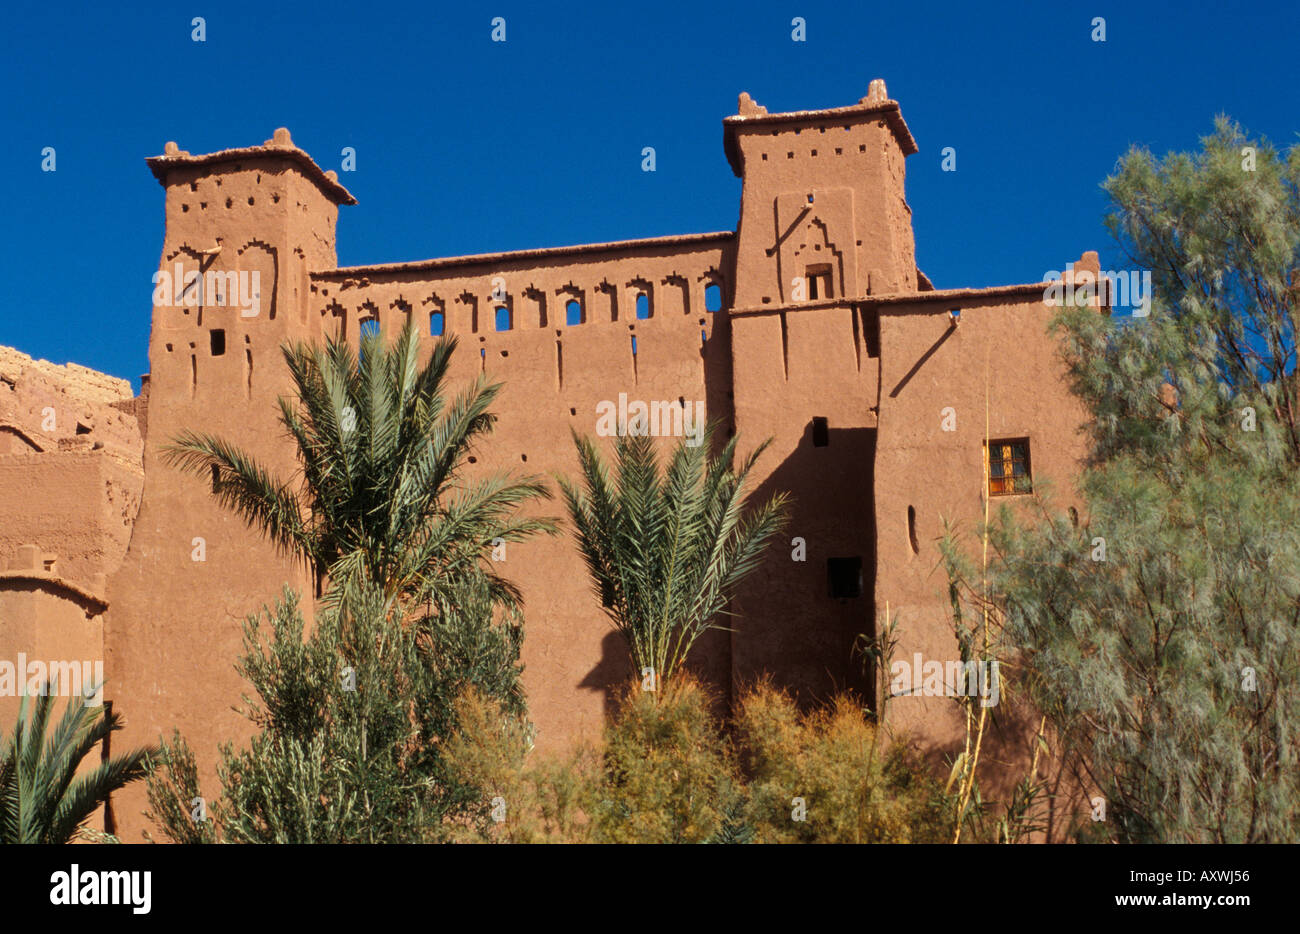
[[403, 308], [570, 294], [261, 256], [643, 297]]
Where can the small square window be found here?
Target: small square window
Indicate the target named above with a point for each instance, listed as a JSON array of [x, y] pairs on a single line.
[[844, 577], [1008, 467]]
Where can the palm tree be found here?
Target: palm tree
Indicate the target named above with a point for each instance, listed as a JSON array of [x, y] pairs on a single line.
[[41, 799], [380, 445], [665, 554]]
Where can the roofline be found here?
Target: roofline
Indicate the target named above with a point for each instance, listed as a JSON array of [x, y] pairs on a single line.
[[902, 298], [889, 109], [491, 258], [948, 295], [89, 599], [161, 165]]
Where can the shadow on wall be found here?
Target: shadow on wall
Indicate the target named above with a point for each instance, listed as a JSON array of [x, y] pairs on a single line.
[[708, 663], [799, 619], [710, 657], [612, 671]]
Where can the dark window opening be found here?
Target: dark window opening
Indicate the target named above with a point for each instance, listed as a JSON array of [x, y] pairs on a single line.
[[844, 577], [871, 331], [821, 432], [217, 341], [1008, 467], [819, 282]]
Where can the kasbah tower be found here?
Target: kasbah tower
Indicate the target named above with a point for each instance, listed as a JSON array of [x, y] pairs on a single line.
[[810, 325]]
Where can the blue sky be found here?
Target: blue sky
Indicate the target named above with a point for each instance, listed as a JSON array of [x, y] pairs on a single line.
[[465, 145]]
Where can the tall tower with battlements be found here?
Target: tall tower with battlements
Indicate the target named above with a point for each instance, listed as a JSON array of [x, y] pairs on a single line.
[[823, 225], [244, 229]]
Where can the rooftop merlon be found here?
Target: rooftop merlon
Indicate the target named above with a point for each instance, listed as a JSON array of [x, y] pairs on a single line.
[[280, 145], [750, 113]]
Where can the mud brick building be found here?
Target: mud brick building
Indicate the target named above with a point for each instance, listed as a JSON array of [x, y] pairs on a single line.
[[810, 324]]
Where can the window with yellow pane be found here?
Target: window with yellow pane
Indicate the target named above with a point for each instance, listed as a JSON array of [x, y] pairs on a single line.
[[1008, 463]]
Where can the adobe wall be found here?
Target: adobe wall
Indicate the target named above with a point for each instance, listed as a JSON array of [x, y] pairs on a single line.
[[70, 466], [822, 187], [822, 201], [936, 376], [76, 505], [554, 375], [193, 571], [70, 483], [793, 365], [52, 629]]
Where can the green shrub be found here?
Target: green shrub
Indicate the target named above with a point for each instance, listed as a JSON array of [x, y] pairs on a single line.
[[822, 777], [352, 723], [667, 774]]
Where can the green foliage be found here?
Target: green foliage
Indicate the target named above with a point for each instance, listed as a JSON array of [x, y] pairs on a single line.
[[1159, 632], [665, 552], [42, 797], [1221, 243], [851, 791], [519, 802], [175, 803], [380, 443], [353, 719], [667, 775]]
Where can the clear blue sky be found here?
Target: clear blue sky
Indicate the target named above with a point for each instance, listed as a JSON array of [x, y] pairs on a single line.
[[465, 145]]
